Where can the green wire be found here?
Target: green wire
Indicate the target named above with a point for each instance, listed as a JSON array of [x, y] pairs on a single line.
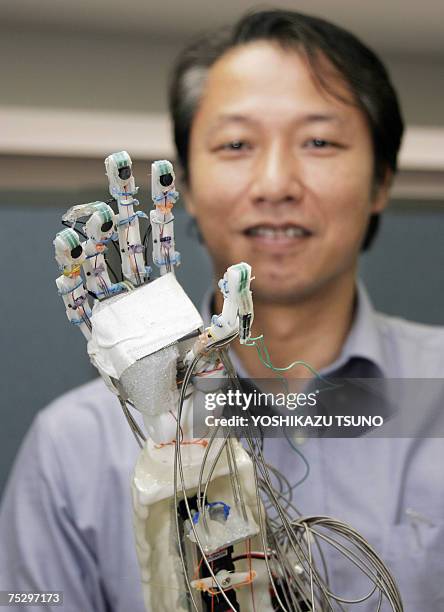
[[266, 361]]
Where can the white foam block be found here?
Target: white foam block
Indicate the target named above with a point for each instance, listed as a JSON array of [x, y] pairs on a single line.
[[137, 324]]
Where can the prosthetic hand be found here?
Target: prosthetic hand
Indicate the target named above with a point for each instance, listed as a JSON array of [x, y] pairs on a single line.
[[142, 339], [204, 539]]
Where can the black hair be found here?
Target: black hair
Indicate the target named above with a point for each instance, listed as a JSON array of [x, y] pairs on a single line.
[[317, 39]]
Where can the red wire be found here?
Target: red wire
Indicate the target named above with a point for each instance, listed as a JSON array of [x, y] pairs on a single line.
[[196, 573]]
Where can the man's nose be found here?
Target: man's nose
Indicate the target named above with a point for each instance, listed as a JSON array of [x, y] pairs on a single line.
[[277, 177]]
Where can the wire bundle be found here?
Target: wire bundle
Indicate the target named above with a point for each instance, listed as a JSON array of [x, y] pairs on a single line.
[[293, 546]]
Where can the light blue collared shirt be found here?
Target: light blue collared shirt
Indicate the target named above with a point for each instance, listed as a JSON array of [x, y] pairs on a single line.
[[66, 519]]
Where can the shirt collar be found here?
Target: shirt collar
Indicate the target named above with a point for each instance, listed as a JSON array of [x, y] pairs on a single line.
[[362, 344], [363, 341]]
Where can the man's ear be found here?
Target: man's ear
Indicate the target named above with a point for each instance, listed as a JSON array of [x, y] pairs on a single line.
[[381, 192]]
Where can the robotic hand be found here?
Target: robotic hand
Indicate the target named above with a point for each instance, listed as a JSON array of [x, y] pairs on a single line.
[[143, 338], [204, 538]]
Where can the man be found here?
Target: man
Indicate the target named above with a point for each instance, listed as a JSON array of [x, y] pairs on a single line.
[[288, 129]]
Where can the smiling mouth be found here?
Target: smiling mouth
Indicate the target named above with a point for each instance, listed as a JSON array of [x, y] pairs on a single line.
[[278, 233]]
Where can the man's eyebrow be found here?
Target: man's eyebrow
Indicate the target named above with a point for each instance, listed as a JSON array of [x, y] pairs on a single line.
[[231, 118], [321, 118], [223, 119]]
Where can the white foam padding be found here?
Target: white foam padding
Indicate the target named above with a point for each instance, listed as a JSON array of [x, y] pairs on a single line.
[[150, 383], [132, 326]]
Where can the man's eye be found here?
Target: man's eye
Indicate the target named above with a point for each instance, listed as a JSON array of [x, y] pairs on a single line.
[[318, 143], [235, 145]]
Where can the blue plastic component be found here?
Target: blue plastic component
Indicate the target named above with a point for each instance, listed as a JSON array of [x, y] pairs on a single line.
[[226, 509]]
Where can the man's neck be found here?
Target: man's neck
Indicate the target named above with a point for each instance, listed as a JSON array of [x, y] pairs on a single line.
[[312, 330]]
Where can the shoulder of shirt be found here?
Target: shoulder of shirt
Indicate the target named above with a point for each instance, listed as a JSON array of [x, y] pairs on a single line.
[[93, 395], [411, 331], [412, 344], [81, 446], [90, 411]]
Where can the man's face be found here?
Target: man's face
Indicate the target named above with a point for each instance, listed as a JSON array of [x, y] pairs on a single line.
[[280, 173]]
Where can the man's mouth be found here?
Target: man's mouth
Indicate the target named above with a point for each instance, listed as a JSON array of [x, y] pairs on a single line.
[[277, 232]]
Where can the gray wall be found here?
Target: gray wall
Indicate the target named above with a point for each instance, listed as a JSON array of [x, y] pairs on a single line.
[[53, 69], [84, 70], [403, 271]]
